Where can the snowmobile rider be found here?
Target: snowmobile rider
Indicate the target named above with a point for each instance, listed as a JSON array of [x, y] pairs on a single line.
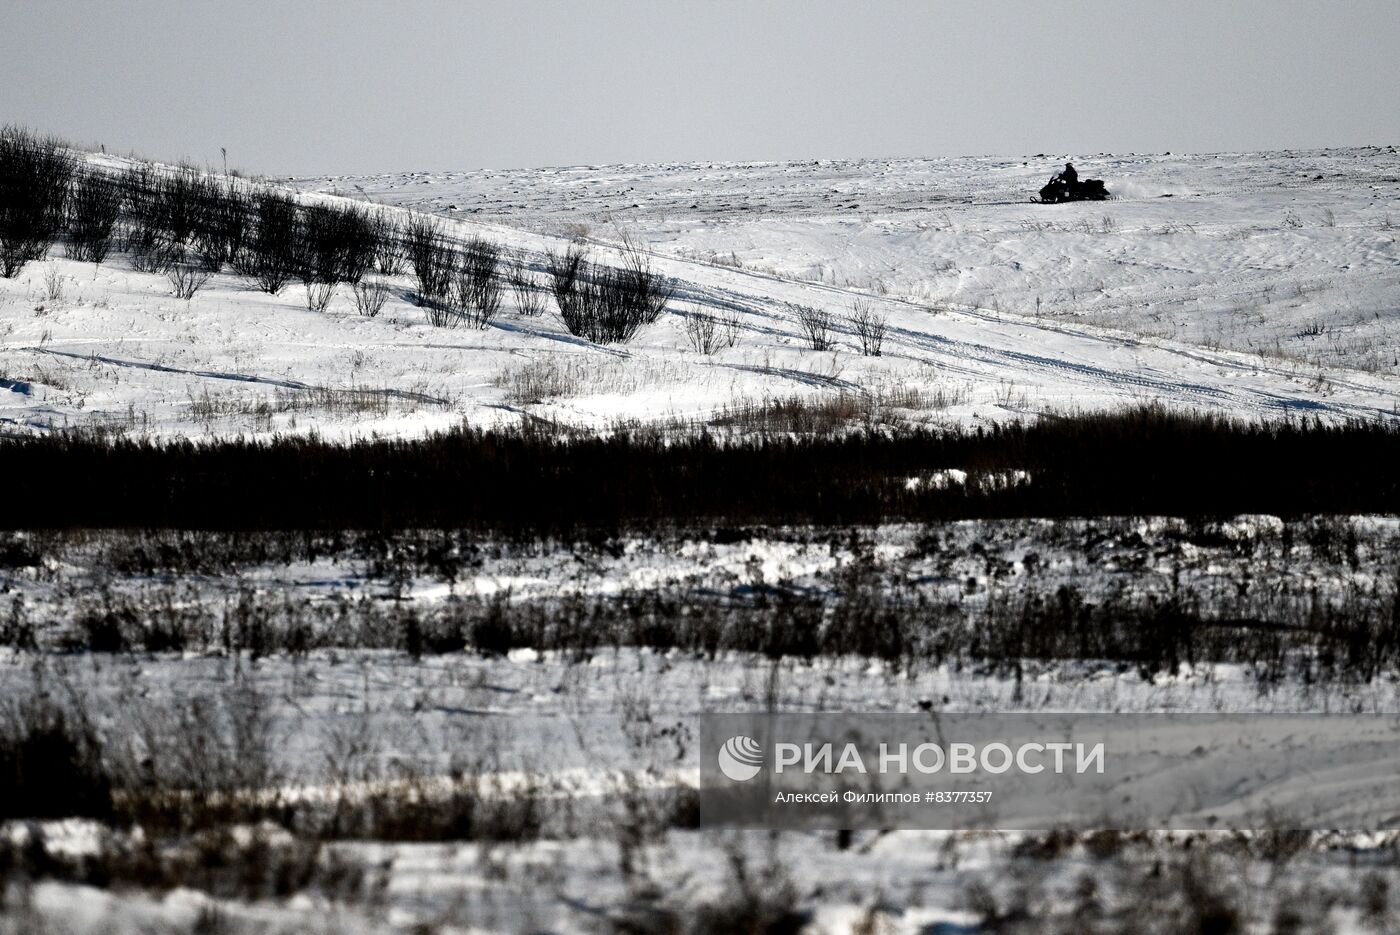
[[1069, 176]]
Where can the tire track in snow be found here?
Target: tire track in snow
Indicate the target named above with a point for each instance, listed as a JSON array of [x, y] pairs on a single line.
[[1259, 400], [237, 377]]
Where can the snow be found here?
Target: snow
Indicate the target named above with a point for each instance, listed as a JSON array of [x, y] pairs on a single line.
[[1267, 286], [1258, 289], [577, 744], [1194, 248]]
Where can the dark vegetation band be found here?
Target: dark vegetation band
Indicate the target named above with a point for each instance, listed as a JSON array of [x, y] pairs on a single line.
[[1142, 461]]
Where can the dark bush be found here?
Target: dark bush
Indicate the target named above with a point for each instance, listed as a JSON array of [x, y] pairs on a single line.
[[433, 261], [186, 280], [336, 244], [50, 762], [93, 210], [34, 186], [816, 325], [222, 231], [648, 290], [182, 216], [319, 295], [389, 245], [149, 238], [272, 257], [564, 272], [478, 286], [869, 327], [177, 202], [868, 606], [605, 304], [529, 298], [217, 861]]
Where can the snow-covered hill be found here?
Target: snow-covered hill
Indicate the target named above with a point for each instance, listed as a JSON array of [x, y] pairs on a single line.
[[1267, 285], [1291, 254]]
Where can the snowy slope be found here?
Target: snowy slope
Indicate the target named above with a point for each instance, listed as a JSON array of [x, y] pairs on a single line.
[[1239, 250], [1268, 286]]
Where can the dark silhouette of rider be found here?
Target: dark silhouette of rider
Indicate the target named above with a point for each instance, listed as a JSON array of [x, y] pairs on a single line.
[[1070, 176]]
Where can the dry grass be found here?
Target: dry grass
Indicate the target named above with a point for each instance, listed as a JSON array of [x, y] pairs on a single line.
[[554, 376], [348, 401], [538, 380], [824, 415]]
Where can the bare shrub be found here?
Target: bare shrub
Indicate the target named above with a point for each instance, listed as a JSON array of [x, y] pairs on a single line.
[[564, 270], [442, 314], [702, 332], [604, 304], [433, 262], [761, 900], [191, 762], [186, 280], [145, 237], [709, 333], [151, 252], [816, 324], [92, 216], [180, 201], [651, 291], [389, 251], [581, 309], [1156, 888], [529, 298], [370, 296], [34, 183], [272, 251], [221, 232], [419, 807], [318, 295], [336, 244], [166, 211], [478, 285], [353, 400], [53, 284], [568, 273], [869, 326], [1374, 898]]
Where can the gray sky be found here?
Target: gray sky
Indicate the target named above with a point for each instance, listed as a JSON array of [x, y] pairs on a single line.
[[301, 87]]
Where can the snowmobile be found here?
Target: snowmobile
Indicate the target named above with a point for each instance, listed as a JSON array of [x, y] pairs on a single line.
[[1057, 190]]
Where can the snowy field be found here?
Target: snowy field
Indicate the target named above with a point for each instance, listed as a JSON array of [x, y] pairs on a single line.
[[452, 732], [1267, 286], [545, 787]]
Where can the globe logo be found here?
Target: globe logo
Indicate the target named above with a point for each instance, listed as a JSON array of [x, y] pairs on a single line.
[[740, 758]]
